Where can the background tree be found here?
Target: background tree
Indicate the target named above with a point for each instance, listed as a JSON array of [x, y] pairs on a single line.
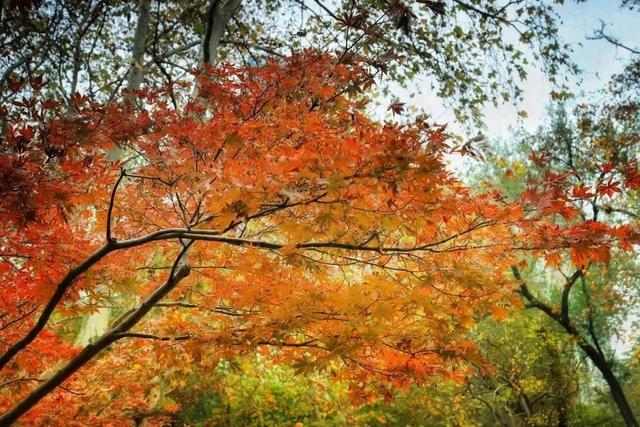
[[593, 163], [473, 53]]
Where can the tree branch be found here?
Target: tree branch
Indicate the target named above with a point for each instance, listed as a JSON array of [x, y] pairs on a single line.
[[601, 35], [532, 301], [53, 302], [151, 336], [564, 306], [186, 234], [180, 271], [111, 203]]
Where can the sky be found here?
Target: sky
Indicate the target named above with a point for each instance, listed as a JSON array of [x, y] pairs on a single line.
[[597, 59]]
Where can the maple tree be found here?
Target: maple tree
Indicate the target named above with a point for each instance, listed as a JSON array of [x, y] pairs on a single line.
[[311, 223], [312, 229]]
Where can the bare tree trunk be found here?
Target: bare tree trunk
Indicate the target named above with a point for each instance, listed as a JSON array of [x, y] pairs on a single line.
[[136, 68], [219, 14], [97, 323]]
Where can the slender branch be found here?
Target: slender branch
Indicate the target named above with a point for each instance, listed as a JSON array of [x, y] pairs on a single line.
[[170, 183], [111, 203], [609, 209], [177, 304], [19, 318], [326, 9], [309, 343], [172, 52], [11, 68], [249, 46], [483, 12], [601, 35], [151, 336], [19, 380]]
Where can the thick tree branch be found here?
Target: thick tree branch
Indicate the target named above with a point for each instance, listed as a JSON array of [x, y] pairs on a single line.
[[566, 291], [180, 271], [53, 302], [532, 301]]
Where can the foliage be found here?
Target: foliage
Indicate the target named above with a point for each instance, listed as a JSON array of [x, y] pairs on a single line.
[[254, 392], [347, 257], [472, 52]]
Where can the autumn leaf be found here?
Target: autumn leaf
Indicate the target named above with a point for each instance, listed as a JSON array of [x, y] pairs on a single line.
[[581, 192], [397, 107], [610, 188]]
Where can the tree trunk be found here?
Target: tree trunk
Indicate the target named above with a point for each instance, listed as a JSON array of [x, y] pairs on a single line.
[[97, 323], [219, 14], [596, 356], [614, 385], [563, 420], [136, 68]]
